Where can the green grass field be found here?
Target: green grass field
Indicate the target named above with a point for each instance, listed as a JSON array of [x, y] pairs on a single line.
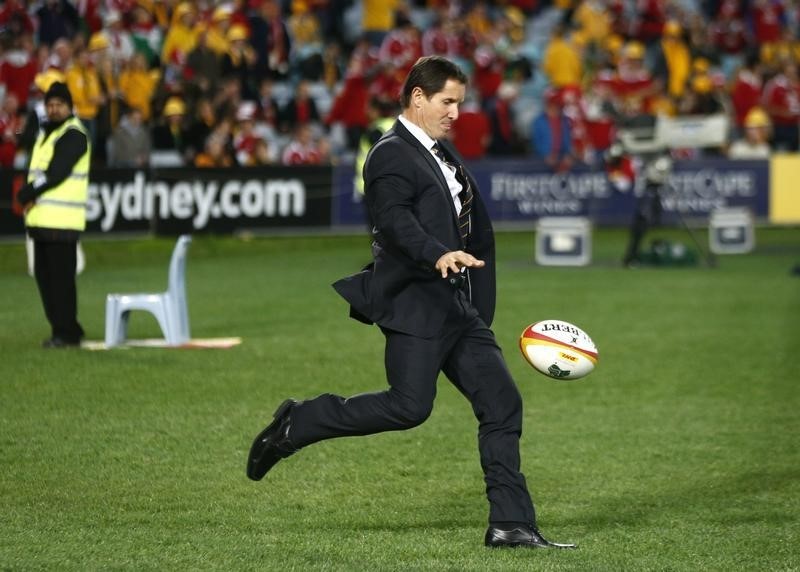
[[680, 452]]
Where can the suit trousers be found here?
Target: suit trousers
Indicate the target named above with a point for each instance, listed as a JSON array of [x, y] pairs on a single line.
[[54, 267], [466, 351]]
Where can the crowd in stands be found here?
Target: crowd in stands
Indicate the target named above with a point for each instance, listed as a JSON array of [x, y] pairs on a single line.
[[260, 82]]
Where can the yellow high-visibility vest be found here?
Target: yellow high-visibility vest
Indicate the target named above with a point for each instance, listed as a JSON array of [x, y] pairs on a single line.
[[64, 206], [383, 125]]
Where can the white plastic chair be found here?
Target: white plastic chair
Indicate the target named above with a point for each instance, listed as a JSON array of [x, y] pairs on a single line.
[[169, 308]]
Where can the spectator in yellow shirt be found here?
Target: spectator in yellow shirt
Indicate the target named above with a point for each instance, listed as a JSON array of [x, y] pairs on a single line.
[[561, 62], [217, 33], [377, 19], [84, 85], [593, 20], [138, 84], [181, 37]]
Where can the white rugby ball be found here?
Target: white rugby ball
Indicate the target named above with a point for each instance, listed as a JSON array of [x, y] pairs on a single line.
[[558, 349]]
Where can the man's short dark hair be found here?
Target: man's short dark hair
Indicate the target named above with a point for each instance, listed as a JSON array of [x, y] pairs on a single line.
[[430, 73]]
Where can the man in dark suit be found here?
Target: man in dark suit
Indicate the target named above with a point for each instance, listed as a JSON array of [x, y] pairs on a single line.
[[431, 290]]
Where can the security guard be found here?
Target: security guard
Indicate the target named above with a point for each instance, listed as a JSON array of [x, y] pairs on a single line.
[[54, 199], [382, 115]]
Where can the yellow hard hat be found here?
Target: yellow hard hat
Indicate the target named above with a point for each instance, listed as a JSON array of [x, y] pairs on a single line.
[[45, 79], [237, 32], [181, 10], [98, 41], [515, 15], [672, 28], [221, 13], [701, 65], [633, 51], [702, 84], [579, 38], [614, 43], [756, 117], [299, 7], [174, 106]]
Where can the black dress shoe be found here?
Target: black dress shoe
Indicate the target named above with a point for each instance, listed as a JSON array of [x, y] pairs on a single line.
[[55, 342], [272, 444], [528, 537]]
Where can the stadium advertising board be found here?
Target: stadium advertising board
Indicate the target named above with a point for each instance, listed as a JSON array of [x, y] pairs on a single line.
[[212, 200], [176, 200], [172, 201], [516, 191]]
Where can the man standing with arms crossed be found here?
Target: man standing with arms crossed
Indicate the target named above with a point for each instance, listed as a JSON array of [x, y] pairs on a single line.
[[431, 290], [54, 199]]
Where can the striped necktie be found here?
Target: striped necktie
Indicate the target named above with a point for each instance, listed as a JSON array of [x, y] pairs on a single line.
[[465, 196]]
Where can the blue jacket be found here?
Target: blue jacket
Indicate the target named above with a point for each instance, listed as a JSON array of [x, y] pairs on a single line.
[[542, 139]]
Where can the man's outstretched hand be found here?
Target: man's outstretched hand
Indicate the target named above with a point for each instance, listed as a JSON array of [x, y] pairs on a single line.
[[455, 260]]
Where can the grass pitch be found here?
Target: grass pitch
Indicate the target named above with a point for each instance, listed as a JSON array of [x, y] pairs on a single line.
[[680, 452]]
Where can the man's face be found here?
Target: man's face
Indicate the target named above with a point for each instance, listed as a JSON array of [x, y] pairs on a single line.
[[436, 115], [57, 109]]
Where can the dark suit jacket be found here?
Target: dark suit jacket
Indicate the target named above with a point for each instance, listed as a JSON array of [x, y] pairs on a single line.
[[415, 224]]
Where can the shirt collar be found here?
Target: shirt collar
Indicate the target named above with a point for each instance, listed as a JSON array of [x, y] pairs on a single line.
[[418, 133]]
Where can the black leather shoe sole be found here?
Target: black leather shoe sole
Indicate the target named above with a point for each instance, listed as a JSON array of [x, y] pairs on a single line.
[[520, 537], [58, 343], [263, 453], [523, 544]]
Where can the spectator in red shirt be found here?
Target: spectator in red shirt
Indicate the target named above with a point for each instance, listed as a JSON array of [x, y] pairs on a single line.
[[572, 99], [500, 110], [781, 100], [489, 71], [387, 83], [652, 17], [440, 37], [472, 131], [350, 103], [300, 109], [402, 45], [19, 68], [303, 149], [270, 38], [245, 137], [767, 16], [349, 109], [10, 128], [730, 36], [600, 116], [632, 85], [745, 91], [14, 18]]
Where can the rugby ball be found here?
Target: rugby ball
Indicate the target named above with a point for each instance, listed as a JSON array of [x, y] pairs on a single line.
[[558, 349]]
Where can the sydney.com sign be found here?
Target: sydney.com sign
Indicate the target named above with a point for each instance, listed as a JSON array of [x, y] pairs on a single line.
[[208, 200]]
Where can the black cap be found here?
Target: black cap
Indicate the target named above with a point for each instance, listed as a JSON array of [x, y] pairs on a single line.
[[61, 91]]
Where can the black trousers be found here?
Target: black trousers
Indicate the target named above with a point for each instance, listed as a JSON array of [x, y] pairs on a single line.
[[648, 214], [54, 268], [466, 351]]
